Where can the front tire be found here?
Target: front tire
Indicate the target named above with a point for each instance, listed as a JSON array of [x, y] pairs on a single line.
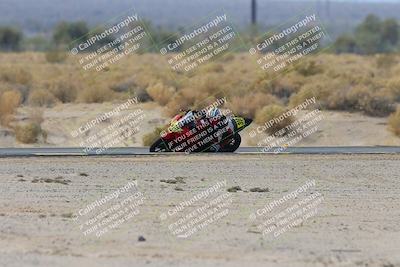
[[233, 145]]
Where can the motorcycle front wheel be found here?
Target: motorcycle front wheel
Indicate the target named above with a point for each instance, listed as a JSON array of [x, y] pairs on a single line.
[[233, 145]]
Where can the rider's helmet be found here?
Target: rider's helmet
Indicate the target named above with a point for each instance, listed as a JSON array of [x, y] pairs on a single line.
[[214, 112]]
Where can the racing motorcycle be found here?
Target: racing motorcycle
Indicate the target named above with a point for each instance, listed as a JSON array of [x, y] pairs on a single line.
[[219, 134]]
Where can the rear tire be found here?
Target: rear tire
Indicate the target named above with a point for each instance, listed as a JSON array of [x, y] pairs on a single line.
[[158, 146]]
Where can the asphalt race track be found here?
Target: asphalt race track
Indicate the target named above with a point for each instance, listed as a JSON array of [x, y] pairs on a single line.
[[132, 151]]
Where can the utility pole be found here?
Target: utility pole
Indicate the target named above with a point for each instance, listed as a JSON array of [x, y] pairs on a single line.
[[253, 12], [253, 27]]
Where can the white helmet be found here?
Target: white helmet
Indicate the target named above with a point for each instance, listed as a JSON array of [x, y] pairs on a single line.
[[214, 112]]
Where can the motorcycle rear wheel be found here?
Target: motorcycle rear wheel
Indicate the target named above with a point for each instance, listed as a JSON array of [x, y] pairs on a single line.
[[159, 146]]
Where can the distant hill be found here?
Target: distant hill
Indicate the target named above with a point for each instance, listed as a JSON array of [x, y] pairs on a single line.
[[41, 15]]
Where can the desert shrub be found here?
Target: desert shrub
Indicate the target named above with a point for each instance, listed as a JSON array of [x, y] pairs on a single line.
[[36, 115], [24, 90], [249, 104], [339, 100], [41, 98], [318, 89], [16, 76], [226, 58], [394, 122], [9, 101], [189, 98], [271, 112], [285, 86], [385, 61], [207, 84], [179, 102], [126, 86], [308, 68], [377, 105], [56, 56], [149, 138], [64, 91], [360, 98], [95, 95], [213, 67], [141, 94], [131, 87], [28, 133], [160, 93], [370, 103], [392, 89]]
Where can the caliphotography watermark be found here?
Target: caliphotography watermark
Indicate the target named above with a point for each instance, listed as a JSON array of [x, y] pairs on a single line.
[[111, 128], [277, 51], [108, 45], [199, 130], [289, 128], [287, 212], [110, 211], [200, 44], [198, 212]]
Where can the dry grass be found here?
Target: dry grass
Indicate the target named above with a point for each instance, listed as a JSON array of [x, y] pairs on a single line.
[[56, 56], [65, 91], [273, 112], [31, 132], [9, 101], [37, 115], [27, 133], [182, 100], [41, 98], [284, 87], [392, 89], [335, 81], [249, 104], [160, 93], [15, 75], [319, 88], [149, 138], [96, 95], [394, 122]]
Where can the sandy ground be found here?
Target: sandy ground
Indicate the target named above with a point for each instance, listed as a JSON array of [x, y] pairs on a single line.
[[357, 223], [335, 129]]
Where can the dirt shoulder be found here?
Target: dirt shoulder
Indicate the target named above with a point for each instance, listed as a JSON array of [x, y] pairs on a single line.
[[357, 222]]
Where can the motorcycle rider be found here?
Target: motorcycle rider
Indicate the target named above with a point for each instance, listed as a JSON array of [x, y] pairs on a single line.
[[190, 117]]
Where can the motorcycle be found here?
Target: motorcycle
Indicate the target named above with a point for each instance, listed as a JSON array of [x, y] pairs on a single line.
[[219, 134]]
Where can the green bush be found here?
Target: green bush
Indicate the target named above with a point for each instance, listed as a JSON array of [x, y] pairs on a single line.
[[10, 39]]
